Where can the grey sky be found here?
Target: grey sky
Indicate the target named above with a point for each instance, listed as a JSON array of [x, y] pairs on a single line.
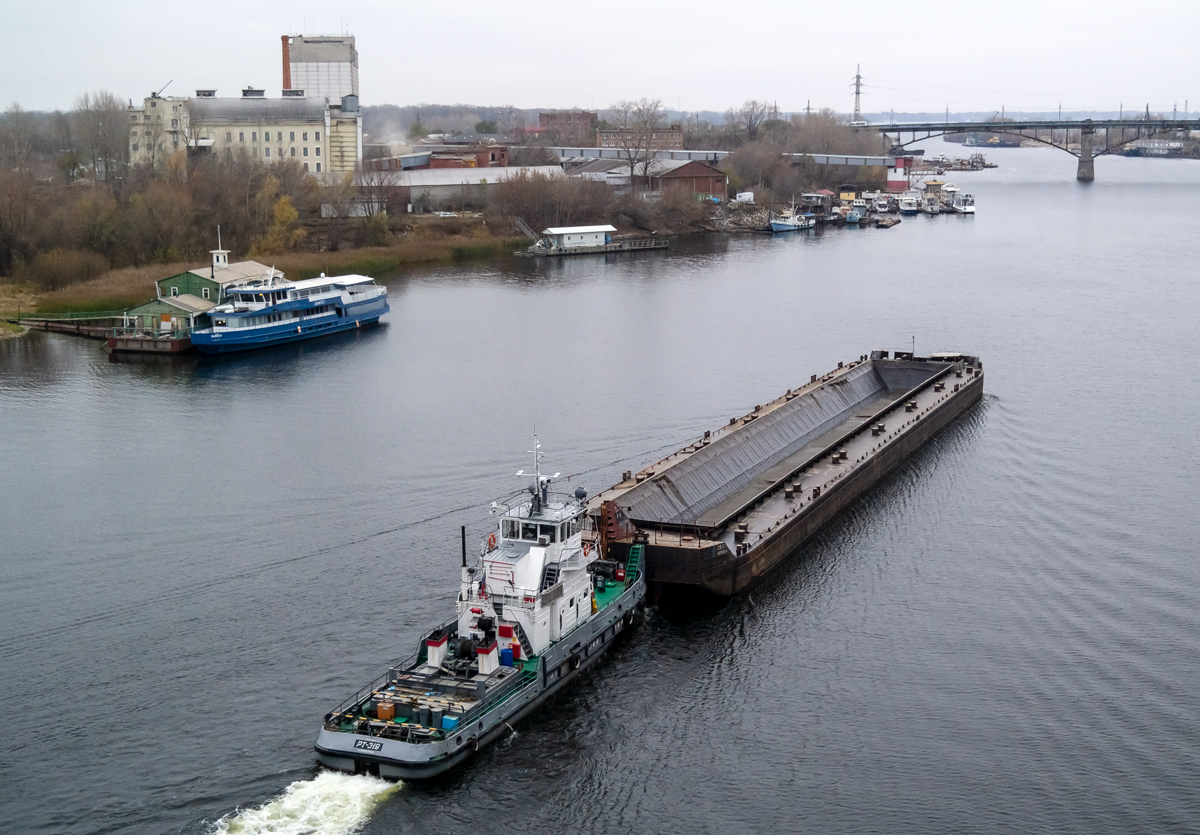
[[694, 56]]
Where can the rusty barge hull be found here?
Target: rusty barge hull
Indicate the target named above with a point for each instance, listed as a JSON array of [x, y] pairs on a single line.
[[722, 513]]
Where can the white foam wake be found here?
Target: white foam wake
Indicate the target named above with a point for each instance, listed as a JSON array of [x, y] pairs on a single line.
[[329, 804]]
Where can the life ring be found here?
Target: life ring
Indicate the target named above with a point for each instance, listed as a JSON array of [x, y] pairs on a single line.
[[587, 548], [491, 542]]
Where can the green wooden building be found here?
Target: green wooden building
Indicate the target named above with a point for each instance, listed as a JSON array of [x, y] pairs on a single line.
[[184, 297]]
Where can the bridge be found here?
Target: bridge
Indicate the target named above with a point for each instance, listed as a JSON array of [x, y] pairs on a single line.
[[1055, 132]]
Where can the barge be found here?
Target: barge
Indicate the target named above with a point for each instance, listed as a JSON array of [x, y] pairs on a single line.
[[538, 607], [721, 513]]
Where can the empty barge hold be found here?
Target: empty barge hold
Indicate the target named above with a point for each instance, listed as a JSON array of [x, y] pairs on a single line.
[[720, 513]]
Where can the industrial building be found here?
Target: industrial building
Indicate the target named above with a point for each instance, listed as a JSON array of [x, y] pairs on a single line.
[[316, 120], [570, 126], [158, 128], [323, 66], [688, 176], [660, 139], [322, 136], [455, 188]]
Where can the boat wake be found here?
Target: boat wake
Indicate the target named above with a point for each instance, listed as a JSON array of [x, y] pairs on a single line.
[[329, 804]]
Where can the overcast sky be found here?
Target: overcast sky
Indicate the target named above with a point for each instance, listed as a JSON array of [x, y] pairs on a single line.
[[694, 56]]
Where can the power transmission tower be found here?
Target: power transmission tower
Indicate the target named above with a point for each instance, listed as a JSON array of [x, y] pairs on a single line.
[[857, 92]]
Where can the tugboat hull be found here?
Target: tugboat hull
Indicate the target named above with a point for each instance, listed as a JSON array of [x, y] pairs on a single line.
[[559, 667]]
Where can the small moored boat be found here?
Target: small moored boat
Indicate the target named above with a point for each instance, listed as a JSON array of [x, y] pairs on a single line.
[[792, 220]]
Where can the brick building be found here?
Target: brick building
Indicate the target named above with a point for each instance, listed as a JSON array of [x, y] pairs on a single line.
[[577, 127], [662, 139]]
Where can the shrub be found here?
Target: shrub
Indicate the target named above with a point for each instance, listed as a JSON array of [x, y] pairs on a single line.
[[60, 267]]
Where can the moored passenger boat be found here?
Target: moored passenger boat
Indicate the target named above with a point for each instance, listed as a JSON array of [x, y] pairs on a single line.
[[964, 204], [537, 608], [273, 310]]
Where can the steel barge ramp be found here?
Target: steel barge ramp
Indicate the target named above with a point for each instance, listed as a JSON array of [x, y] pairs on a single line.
[[721, 513]]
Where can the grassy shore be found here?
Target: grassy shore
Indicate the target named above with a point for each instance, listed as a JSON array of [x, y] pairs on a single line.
[[428, 242]]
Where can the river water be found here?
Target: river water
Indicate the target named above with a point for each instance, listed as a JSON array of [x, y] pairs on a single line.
[[199, 558]]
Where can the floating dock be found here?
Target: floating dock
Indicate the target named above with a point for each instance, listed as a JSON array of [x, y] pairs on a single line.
[[634, 245], [721, 513], [133, 343]]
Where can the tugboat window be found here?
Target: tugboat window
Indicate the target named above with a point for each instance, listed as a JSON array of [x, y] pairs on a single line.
[[529, 532], [548, 532], [512, 529]]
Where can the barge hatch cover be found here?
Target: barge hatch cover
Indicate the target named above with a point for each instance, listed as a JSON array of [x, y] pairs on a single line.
[[719, 481]]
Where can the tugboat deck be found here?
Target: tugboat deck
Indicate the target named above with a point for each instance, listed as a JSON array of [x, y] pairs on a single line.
[[413, 687]]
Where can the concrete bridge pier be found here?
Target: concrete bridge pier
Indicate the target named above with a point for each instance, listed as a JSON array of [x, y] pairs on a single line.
[[1087, 165]]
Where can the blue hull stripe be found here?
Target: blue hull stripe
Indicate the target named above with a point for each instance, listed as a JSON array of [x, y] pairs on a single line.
[[279, 333]]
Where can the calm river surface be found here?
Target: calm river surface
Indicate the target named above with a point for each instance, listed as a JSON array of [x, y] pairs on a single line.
[[198, 559]]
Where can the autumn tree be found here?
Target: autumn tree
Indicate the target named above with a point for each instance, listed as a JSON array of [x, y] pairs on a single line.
[[284, 233]]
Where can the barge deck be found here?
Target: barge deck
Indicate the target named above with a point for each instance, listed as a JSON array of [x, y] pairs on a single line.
[[721, 513]]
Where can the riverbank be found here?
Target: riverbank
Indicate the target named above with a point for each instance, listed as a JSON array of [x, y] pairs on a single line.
[[429, 242], [8, 330]]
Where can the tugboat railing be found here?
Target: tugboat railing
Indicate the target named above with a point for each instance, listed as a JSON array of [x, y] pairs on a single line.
[[359, 697]]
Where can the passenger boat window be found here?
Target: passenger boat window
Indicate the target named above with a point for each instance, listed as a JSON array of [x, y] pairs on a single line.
[[511, 529], [548, 532], [529, 532]]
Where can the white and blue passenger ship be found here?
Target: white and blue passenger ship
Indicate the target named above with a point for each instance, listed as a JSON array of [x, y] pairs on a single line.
[[273, 310]]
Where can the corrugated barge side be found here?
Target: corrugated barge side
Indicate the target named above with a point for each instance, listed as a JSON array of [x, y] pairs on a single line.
[[720, 514]]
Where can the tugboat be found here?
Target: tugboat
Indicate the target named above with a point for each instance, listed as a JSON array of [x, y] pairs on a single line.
[[537, 608], [273, 310]]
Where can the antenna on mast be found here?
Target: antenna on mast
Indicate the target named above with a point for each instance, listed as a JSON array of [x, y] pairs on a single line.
[[541, 484]]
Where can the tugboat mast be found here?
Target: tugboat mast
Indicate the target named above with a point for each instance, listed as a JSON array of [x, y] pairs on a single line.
[[540, 489]]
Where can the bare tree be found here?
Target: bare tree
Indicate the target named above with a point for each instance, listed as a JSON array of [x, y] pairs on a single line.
[[754, 113], [636, 123], [749, 117], [66, 148], [373, 186], [338, 198], [17, 138], [693, 128], [104, 127]]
